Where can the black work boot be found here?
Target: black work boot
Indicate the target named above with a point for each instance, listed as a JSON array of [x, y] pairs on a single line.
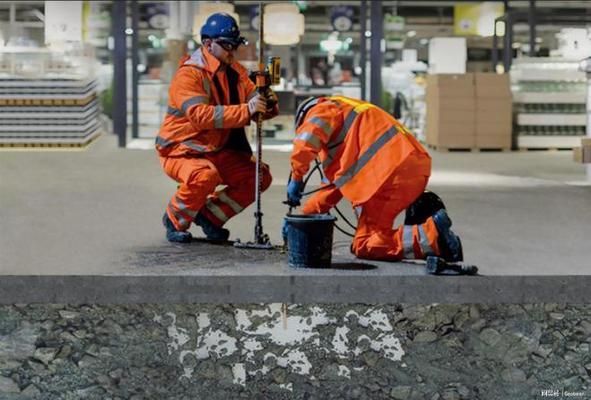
[[449, 243], [174, 235], [215, 233]]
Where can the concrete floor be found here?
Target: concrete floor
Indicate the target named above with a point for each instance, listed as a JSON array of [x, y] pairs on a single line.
[[98, 212]]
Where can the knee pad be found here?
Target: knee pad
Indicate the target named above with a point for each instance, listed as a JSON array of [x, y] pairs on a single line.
[[427, 204]]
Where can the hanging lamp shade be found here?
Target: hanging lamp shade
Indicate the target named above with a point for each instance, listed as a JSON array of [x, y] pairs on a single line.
[[205, 10], [284, 25]]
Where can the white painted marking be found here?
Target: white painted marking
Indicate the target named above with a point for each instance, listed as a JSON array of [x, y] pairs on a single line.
[[239, 373], [344, 371]]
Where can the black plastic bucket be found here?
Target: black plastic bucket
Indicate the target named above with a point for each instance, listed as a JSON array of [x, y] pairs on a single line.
[[309, 240]]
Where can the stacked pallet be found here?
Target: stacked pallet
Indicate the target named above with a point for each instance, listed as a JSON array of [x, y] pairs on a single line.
[[471, 111], [48, 112], [582, 154]]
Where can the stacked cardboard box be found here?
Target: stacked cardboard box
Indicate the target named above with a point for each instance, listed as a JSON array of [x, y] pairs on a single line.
[[494, 110], [583, 154], [472, 110], [450, 110]]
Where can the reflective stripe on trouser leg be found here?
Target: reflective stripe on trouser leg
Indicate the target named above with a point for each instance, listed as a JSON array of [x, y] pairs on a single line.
[[215, 209], [424, 243], [222, 206], [237, 171], [197, 178], [412, 234], [407, 241], [180, 215]]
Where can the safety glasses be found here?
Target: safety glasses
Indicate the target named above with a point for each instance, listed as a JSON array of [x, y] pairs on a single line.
[[227, 45]]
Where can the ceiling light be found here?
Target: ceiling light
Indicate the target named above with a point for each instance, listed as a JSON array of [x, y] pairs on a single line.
[[284, 25]]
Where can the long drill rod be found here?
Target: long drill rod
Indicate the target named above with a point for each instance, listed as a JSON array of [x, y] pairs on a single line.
[[259, 236]]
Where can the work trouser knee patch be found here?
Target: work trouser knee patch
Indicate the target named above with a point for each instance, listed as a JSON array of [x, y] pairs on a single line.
[[209, 179]]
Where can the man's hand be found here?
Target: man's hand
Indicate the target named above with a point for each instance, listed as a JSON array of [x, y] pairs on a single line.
[[272, 99], [294, 192], [258, 104]]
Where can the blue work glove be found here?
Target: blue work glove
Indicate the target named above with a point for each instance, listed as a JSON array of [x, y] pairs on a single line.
[[294, 192]]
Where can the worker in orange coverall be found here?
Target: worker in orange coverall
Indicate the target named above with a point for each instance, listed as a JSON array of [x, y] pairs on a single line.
[[373, 161], [202, 143]]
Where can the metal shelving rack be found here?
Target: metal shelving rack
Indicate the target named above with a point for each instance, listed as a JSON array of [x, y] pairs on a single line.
[[47, 98], [549, 103]]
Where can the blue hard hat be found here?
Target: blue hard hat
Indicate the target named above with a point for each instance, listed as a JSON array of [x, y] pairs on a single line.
[[224, 27]]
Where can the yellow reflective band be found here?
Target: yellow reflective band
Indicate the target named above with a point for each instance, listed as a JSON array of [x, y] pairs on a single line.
[[358, 105]]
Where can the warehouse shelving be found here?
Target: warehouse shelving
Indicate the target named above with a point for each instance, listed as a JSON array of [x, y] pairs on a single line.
[[549, 103], [47, 97]]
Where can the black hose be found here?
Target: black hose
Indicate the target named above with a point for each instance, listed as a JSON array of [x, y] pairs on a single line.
[[343, 231], [317, 166]]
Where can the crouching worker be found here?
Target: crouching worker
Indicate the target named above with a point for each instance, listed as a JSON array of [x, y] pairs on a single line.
[[202, 143], [374, 162]]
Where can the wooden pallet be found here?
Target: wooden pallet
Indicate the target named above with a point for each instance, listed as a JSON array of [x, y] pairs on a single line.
[[443, 149], [47, 102], [525, 149], [39, 144]]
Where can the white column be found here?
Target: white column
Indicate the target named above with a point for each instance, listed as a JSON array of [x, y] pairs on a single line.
[[174, 27]]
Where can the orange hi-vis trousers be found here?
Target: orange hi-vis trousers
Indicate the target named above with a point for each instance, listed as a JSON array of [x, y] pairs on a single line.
[[375, 237], [198, 178]]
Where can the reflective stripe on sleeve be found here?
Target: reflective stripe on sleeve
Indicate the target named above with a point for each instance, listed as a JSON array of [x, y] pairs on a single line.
[[173, 111], [218, 117], [310, 138], [160, 141], [407, 246], [192, 101], [365, 157], [325, 126], [194, 146]]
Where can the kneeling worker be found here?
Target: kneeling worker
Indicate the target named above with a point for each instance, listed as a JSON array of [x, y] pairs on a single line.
[[202, 143], [375, 163]]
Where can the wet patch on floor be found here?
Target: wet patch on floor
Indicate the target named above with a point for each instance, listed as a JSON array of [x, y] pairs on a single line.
[[200, 254]]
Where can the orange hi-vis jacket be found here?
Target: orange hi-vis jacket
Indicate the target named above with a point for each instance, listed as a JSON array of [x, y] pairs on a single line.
[[200, 117], [360, 146]]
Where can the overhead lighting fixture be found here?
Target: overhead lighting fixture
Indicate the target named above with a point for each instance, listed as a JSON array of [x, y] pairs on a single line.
[[367, 34], [500, 28], [411, 34], [284, 25]]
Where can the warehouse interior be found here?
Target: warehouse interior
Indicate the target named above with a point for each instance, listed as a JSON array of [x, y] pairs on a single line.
[[496, 91], [97, 301]]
